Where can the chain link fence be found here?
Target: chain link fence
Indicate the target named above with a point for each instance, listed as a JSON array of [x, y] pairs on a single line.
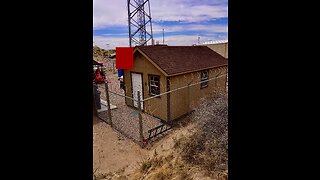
[[148, 118]]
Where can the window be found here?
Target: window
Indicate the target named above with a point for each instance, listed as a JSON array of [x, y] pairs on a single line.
[[154, 85], [204, 78]]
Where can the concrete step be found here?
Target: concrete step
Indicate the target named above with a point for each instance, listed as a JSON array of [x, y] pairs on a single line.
[[104, 106]]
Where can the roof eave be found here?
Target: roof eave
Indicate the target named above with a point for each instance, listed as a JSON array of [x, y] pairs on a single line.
[[186, 72]]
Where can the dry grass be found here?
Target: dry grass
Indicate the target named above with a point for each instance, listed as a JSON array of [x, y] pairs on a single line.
[[163, 168], [207, 147], [199, 154]]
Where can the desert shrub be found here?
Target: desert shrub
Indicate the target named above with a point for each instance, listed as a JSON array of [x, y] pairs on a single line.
[[179, 141], [208, 145], [145, 166]]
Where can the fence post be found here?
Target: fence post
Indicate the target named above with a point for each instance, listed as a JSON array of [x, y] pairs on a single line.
[[188, 97], [140, 120], [108, 101]]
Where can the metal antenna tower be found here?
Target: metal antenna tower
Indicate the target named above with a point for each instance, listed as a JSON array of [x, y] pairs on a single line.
[[139, 22]]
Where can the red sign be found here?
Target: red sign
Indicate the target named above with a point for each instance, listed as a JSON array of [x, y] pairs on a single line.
[[124, 58]]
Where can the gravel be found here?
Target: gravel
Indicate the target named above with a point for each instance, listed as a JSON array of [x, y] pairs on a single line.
[[124, 118]]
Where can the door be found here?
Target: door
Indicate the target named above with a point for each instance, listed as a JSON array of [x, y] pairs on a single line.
[[136, 80]]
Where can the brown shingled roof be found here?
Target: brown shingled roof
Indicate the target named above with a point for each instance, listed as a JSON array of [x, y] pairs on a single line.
[[182, 59]]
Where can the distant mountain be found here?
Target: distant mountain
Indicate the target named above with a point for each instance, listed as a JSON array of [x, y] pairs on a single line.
[[100, 53]]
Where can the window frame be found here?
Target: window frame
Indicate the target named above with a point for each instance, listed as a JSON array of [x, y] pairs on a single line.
[[203, 78], [150, 80]]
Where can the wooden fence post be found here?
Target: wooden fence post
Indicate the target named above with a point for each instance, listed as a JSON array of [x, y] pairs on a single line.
[[140, 120], [108, 101]]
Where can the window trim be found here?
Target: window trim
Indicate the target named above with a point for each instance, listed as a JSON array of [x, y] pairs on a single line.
[[149, 84], [202, 79]]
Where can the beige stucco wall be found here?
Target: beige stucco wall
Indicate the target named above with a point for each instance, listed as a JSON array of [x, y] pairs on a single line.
[[155, 106]]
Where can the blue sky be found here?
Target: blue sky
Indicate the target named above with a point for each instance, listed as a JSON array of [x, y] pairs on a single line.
[[183, 21]]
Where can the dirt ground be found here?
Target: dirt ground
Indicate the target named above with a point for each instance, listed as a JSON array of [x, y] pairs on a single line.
[[112, 152], [117, 157]]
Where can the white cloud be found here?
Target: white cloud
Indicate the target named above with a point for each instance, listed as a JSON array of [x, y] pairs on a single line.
[[109, 13], [184, 40], [167, 10], [192, 27], [113, 42], [118, 34], [113, 13], [176, 40]]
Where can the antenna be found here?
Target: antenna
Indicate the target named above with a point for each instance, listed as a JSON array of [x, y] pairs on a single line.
[[162, 36], [139, 18]]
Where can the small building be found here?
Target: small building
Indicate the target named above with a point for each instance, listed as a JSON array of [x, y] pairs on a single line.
[[160, 68], [220, 47]]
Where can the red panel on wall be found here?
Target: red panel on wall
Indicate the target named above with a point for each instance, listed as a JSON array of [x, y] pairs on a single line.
[[124, 57]]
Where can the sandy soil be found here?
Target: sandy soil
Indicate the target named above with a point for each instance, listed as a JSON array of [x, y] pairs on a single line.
[[112, 152], [117, 156]]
